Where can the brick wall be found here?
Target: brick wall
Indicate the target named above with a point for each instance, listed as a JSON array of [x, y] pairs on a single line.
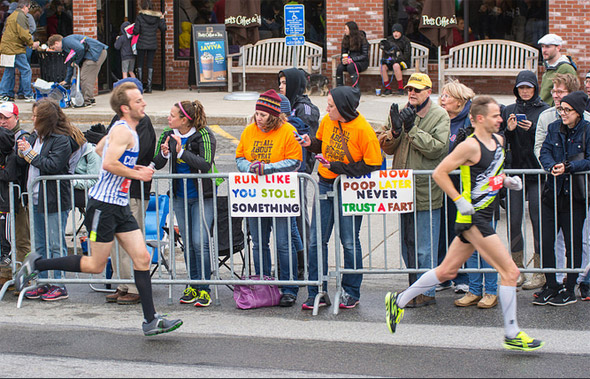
[[569, 19], [84, 12]]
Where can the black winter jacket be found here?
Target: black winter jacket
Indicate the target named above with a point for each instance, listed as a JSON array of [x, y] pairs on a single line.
[[399, 50], [123, 44], [53, 160], [360, 57], [147, 24], [521, 142], [147, 144], [8, 167], [199, 154]]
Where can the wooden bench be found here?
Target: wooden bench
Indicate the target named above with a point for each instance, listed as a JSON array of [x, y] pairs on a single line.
[[490, 57], [419, 59], [269, 56]]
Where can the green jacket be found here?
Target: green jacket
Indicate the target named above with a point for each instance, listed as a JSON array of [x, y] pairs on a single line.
[[16, 35], [563, 66], [423, 148]]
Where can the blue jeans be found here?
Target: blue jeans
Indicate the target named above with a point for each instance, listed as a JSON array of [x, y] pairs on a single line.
[[7, 83], [350, 227], [419, 246], [295, 235], [260, 242], [196, 252], [56, 236], [21, 90]]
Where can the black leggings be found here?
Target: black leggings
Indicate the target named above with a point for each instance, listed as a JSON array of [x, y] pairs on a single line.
[[150, 58]]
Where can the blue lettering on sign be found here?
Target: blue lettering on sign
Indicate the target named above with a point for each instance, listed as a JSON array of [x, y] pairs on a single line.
[[294, 19]]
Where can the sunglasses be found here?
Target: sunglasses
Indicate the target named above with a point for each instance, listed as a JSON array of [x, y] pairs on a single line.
[[415, 90]]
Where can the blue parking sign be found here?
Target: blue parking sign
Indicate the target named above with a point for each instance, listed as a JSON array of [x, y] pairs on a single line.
[[294, 19]]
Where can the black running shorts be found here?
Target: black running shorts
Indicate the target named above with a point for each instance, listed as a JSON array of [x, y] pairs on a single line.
[[103, 220], [484, 224]]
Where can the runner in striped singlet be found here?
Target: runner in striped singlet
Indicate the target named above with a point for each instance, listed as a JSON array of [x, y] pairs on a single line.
[[108, 214], [481, 158]]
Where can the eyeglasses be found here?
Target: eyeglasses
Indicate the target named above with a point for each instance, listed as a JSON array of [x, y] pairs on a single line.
[[445, 96], [559, 92], [416, 90], [565, 111]]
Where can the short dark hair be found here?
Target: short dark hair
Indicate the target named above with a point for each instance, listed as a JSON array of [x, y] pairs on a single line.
[[23, 3], [479, 106], [120, 97]]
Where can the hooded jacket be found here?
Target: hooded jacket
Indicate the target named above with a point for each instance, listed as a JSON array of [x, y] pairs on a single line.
[[564, 65], [8, 167], [16, 36], [399, 50], [520, 143], [147, 24], [301, 106], [123, 44]]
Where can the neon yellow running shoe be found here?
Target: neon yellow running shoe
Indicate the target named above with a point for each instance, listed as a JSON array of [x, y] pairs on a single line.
[[522, 342], [393, 313]]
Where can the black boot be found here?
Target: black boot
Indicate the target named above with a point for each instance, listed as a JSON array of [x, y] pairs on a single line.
[[150, 73], [339, 81], [140, 75]]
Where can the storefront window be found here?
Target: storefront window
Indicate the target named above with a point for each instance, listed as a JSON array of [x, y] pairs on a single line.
[[189, 12], [515, 20]]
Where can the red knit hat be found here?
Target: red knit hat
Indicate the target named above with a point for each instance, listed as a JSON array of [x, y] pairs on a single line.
[[269, 102]]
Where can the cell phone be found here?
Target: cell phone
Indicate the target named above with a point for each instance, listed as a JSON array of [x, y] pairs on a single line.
[[520, 117], [321, 159]]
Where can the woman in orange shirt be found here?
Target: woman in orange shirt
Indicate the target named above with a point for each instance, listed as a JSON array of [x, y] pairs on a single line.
[[267, 146]]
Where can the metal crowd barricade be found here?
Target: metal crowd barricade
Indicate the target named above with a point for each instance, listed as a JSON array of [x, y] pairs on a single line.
[[380, 232], [177, 273]]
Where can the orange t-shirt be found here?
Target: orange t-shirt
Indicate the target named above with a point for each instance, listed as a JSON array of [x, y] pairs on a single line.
[[361, 141], [271, 147]]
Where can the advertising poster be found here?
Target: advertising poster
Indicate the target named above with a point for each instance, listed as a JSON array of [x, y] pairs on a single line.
[[275, 195], [381, 192], [211, 51]]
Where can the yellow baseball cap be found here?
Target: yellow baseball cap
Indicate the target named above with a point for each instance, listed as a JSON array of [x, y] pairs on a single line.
[[419, 81]]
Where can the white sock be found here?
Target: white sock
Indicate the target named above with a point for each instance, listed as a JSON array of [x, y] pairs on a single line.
[[508, 301], [426, 282]]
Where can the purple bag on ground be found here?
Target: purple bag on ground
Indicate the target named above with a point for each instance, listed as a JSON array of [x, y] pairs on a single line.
[[256, 296]]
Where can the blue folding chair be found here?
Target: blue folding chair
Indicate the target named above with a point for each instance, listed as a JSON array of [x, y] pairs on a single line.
[[155, 230]]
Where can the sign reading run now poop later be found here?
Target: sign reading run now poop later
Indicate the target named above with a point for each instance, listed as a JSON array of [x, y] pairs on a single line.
[[380, 192], [275, 195]]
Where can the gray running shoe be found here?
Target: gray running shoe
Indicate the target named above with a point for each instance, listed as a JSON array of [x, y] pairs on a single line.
[[160, 325], [27, 271]]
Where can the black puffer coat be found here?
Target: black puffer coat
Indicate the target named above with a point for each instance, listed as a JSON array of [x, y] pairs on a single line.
[[146, 25]]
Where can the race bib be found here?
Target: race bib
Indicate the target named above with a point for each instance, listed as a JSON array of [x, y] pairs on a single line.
[[496, 183], [125, 186]]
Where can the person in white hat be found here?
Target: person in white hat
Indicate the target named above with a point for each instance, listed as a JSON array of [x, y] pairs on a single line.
[[555, 63]]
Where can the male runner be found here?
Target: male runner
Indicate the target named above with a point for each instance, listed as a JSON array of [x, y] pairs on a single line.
[[108, 214], [481, 158]]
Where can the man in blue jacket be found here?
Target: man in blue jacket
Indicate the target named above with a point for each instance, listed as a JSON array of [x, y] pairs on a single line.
[[89, 55]]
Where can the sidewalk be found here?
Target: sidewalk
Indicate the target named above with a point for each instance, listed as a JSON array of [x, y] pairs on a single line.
[[219, 111]]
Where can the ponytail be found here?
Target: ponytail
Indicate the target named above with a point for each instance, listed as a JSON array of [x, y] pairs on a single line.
[[194, 112]]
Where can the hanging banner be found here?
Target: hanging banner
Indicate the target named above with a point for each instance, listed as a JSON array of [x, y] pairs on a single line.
[[380, 192], [210, 45], [275, 195]]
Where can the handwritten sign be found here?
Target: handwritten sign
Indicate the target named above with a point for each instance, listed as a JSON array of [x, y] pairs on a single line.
[[380, 192], [275, 195]]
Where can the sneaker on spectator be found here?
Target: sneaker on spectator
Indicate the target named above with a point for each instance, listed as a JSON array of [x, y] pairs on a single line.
[[444, 286], [36, 293], [113, 297], [55, 293], [30, 99], [20, 97], [160, 325], [324, 302], [584, 291], [5, 260], [564, 297], [546, 295], [4, 99], [387, 92], [189, 295], [348, 302], [203, 300], [129, 299], [421, 301], [461, 288], [467, 300], [488, 301]]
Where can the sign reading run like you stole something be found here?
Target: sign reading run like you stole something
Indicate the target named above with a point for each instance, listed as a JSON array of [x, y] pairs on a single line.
[[275, 195], [380, 192]]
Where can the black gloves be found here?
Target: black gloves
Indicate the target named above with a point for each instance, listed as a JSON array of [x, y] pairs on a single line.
[[567, 166], [396, 122], [463, 133], [408, 116]]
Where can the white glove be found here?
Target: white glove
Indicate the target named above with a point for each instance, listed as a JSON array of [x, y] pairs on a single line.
[[513, 183], [464, 207]]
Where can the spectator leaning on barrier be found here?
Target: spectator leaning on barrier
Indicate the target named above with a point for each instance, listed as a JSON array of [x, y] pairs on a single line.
[[565, 151], [397, 52], [418, 138], [47, 151], [283, 154], [15, 39], [520, 142], [89, 55], [189, 145], [139, 197], [563, 85], [355, 54], [350, 147], [555, 63], [9, 119]]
